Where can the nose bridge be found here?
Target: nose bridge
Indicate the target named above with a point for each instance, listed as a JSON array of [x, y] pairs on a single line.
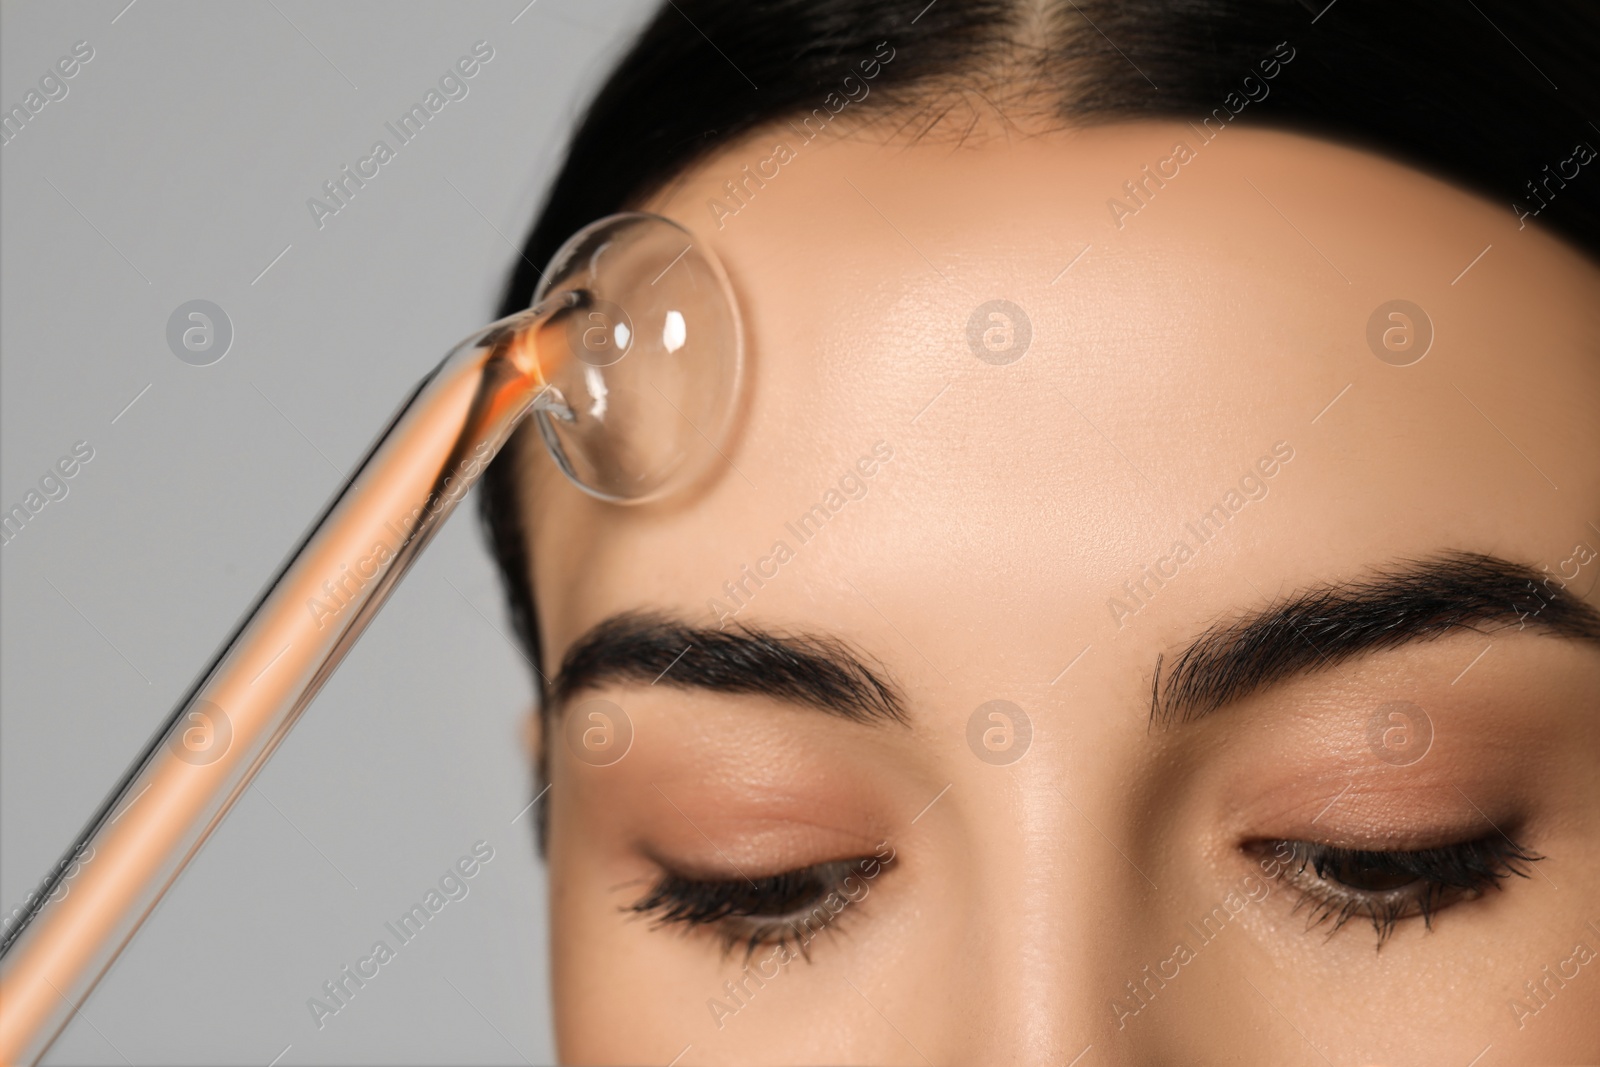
[[1051, 899]]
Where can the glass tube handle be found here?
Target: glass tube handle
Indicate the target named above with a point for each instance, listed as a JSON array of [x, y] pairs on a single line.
[[221, 734]]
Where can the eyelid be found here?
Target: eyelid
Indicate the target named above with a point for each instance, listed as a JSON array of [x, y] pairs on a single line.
[[753, 850], [1384, 811]]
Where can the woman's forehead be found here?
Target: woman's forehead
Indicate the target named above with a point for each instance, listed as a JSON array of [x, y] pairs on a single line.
[[1062, 385]]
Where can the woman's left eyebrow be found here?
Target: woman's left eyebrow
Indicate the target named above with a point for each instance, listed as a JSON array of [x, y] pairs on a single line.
[[654, 648], [1324, 625]]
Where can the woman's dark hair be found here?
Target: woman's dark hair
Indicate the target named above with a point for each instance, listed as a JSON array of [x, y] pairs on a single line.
[[1490, 94]]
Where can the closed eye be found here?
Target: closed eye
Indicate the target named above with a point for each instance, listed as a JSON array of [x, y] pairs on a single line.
[[788, 908], [1389, 887]]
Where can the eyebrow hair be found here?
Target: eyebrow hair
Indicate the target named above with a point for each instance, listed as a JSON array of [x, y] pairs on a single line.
[[1323, 626], [809, 670]]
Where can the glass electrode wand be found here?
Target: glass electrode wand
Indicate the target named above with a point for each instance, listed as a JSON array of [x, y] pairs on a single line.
[[605, 363]]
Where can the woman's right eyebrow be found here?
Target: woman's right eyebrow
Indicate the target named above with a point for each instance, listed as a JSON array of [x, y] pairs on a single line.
[[654, 648]]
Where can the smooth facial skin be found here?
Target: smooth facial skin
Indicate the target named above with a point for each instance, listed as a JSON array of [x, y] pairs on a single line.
[[1034, 910]]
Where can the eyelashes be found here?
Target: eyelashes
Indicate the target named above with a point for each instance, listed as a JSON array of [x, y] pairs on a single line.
[[786, 909], [1340, 884], [791, 908]]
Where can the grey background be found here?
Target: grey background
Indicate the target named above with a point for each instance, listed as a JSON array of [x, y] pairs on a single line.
[[177, 168]]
